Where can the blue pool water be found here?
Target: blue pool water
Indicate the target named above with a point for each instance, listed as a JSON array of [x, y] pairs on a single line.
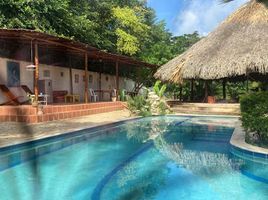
[[150, 158]]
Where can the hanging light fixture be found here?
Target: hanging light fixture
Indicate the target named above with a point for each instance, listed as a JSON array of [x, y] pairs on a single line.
[[31, 67]]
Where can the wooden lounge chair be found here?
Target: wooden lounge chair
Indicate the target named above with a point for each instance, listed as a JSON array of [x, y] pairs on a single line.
[[12, 99], [27, 89]]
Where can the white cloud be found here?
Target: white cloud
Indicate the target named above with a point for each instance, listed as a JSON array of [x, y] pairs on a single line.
[[203, 16]]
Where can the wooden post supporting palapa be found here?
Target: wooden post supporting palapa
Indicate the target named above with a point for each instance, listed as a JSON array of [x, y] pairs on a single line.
[[36, 72], [181, 93], [117, 79], [247, 87], [86, 78], [224, 89], [192, 89], [206, 92]]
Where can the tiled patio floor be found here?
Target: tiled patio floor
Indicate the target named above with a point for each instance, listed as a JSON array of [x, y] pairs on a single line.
[[14, 133]]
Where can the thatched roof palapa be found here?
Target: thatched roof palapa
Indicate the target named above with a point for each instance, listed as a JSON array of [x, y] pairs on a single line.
[[238, 47]]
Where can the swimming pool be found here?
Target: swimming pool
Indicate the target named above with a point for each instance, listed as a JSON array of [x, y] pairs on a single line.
[[149, 158]]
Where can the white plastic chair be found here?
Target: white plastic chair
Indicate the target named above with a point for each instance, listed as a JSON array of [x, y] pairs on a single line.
[[93, 96]]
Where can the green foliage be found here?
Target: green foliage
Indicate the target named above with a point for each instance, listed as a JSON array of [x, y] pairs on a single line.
[[126, 43], [130, 29], [139, 106], [182, 43], [163, 110], [147, 105], [235, 90], [254, 110], [122, 95], [159, 90]]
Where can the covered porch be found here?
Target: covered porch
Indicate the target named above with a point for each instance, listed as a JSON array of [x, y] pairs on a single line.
[[66, 78], [63, 70]]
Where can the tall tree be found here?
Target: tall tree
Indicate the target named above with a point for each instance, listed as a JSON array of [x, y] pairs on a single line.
[[130, 29]]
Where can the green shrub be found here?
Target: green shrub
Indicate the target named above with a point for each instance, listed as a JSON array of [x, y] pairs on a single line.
[[254, 111], [122, 95], [235, 90], [139, 106], [159, 91], [163, 110]]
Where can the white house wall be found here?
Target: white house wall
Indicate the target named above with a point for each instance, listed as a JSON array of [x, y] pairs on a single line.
[[60, 82]]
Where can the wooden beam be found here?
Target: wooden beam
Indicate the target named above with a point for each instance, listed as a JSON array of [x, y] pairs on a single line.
[[224, 89], [36, 72], [60, 43], [192, 89], [100, 69], [206, 92], [71, 80], [117, 78], [86, 78], [180, 93]]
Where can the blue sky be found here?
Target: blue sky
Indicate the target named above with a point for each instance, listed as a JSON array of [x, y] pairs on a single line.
[[187, 16]]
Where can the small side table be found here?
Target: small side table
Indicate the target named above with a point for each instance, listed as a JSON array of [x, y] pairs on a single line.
[[72, 98]]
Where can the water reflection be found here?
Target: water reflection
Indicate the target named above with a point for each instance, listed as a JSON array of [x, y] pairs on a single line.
[[144, 177], [150, 128]]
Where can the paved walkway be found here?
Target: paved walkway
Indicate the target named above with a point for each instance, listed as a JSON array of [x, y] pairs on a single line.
[[14, 133]]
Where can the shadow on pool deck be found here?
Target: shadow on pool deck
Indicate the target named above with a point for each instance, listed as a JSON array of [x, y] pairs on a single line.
[[13, 133]]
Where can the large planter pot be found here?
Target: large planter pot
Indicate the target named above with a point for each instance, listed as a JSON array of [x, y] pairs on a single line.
[[113, 99], [35, 104], [211, 99]]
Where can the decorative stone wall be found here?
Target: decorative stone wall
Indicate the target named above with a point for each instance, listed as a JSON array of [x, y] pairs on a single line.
[[155, 101]]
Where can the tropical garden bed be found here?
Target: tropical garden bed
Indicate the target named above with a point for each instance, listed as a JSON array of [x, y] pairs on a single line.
[[254, 116]]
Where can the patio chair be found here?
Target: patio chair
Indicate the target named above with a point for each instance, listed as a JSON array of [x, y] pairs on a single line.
[[12, 99], [92, 95]]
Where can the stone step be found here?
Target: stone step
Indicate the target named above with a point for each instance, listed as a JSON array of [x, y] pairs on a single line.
[[218, 109]]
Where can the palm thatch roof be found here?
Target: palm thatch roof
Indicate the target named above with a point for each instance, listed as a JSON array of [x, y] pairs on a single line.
[[238, 47]]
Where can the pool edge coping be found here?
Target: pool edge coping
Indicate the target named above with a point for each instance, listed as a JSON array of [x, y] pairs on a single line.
[[238, 141], [58, 134]]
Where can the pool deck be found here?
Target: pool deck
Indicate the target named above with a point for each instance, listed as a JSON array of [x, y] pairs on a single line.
[[238, 140], [14, 133]]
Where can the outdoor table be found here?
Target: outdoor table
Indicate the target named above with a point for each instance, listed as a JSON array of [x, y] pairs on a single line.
[[72, 98]]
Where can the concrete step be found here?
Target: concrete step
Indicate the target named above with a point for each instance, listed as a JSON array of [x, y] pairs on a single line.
[[202, 108]]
